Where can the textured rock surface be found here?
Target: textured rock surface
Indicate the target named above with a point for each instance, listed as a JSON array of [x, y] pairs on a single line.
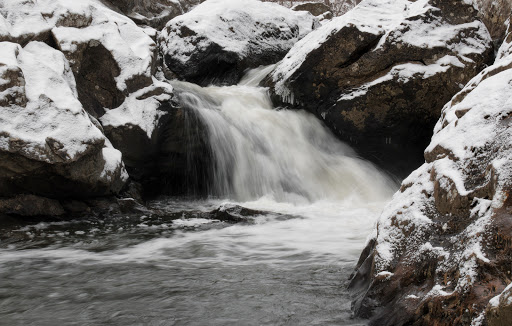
[[91, 36], [219, 39], [494, 13], [315, 8], [442, 247], [153, 13], [379, 75], [163, 144], [48, 143]]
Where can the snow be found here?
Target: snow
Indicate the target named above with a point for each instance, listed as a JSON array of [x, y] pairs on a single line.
[[139, 112], [474, 134], [53, 126], [395, 21], [237, 26], [53, 110], [81, 22]]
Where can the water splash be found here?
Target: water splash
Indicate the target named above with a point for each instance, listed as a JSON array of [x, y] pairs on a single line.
[[287, 154]]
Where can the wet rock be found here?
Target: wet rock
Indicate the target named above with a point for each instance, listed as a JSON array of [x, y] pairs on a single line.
[[219, 39], [153, 13], [164, 145], [234, 214], [48, 144], [30, 205], [379, 76], [443, 246]]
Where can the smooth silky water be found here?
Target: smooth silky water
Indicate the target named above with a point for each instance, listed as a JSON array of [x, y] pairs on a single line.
[[316, 204]]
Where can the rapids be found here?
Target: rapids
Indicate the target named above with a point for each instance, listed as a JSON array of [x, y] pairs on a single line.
[[287, 265]]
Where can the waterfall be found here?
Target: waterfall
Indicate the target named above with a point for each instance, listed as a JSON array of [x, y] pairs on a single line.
[[288, 155]]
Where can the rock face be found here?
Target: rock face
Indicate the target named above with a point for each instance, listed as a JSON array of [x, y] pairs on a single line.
[[48, 143], [219, 39], [163, 144], [153, 13], [315, 8], [91, 36], [442, 247], [379, 75], [494, 13]]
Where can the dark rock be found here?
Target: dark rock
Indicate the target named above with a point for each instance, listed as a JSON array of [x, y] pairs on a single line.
[[164, 145], [315, 8], [494, 14], [380, 84], [30, 205], [48, 144], [150, 12], [444, 244], [218, 40]]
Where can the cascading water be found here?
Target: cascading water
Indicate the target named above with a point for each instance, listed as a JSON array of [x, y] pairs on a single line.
[[288, 155], [314, 203]]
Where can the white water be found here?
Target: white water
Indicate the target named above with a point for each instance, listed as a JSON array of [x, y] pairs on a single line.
[[290, 267], [288, 155]]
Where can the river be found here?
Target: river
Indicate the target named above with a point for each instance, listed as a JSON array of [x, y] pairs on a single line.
[[312, 205]]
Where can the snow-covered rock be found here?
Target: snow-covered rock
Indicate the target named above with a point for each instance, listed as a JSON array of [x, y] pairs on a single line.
[[161, 141], [48, 143], [219, 39], [154, 13], [446, 235], [91, 36], [380, 74], [499, 310]]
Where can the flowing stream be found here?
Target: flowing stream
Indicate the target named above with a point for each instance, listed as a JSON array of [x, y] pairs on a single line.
[[311, 204]]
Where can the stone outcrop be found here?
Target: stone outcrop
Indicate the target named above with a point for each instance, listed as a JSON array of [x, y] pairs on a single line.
[[163, 143], [441, 251], [315, 8], [153, 13], [219, 39], [379, 75], [48, 143], [494, 14], [91, 36]]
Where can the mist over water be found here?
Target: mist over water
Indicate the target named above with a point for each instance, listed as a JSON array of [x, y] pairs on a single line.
[[315, 204]]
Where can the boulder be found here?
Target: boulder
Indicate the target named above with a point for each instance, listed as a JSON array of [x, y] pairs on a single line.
[[442, 248], [164, 144], [90, 35], [495, 15], [379, 75], [30, 205], [315, 8], [219, 39], [48, 143], [153, 13], [499, 310]]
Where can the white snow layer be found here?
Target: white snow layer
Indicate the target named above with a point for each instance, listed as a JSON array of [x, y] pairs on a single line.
[[52, 125], [473, 129], [237, 26], [80, 22], [387, 18], [138, 110]]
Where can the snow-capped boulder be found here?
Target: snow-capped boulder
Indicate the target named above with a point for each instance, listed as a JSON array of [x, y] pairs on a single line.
[[109, 54], [163, 144], [442, 247], [380, 74], [499, 310], [154, 13], [219, 39], [48, 143]]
